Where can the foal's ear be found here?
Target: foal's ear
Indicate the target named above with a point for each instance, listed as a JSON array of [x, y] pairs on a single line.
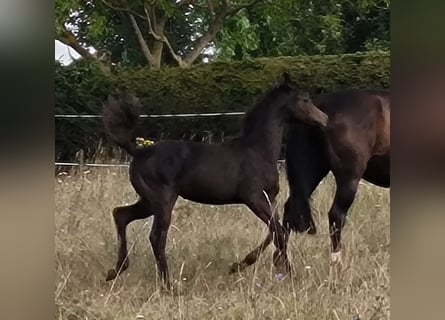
[[288, 81], [131, 99], [111, 99], [286, 78]]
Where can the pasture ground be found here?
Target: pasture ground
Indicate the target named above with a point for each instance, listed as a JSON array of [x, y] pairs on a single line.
[[203, 242]]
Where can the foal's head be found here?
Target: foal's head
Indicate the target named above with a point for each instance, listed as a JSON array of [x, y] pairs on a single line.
[[298, 105]]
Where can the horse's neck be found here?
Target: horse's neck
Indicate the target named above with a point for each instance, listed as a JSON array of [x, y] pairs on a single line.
[[267, 138]]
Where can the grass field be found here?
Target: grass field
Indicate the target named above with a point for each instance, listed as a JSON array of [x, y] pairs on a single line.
[[203, 242]]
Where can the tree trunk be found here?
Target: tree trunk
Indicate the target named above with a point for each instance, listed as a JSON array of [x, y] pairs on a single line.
[[144, 47], [214, 28], [156, 54]]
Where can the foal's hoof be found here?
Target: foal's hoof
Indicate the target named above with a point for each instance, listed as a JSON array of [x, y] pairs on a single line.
[[281, 263], [234, 268], [237, 267], [111, 275]]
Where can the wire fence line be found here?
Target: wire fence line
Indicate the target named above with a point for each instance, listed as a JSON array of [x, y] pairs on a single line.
[[105, 165], [175, 115]]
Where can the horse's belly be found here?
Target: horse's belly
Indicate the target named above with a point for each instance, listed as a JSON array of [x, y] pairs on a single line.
[[208, 189]]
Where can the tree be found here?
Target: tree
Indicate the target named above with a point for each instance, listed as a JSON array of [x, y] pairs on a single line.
[[308, 27], [144, 31], [182, 32]]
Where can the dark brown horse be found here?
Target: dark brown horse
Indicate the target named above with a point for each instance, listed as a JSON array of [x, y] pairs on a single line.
[[354, 145], [242, 171]]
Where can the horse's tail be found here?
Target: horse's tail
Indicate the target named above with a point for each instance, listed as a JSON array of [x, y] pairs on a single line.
[[120, 118], [306, 165]]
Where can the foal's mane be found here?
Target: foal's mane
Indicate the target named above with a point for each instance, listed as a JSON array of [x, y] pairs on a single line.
[[256, 116]]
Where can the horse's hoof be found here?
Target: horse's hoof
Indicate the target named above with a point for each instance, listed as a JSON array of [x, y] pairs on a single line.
[[234, 268], [237, 267], [336, 257], [281, 263], [111, 275]]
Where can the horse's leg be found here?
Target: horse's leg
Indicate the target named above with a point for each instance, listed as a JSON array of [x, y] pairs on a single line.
[[297, 210], [297, 215], [260, 206], [344, 197], [253, 256], [122, 217], [158, 236], [349, 153]]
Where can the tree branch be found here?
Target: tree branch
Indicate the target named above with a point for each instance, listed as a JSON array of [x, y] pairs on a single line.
[[70, 40], [122, 9], [184, 3], [216, 24], [210, 6], [238, 8], [145, 49], [161, 37]]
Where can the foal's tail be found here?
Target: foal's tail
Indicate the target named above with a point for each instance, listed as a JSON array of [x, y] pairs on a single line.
[[120, 118]]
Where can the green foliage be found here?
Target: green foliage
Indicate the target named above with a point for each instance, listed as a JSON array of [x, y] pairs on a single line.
[[78, 88], [267, 29], [290, 27], [215, 87], [106, 26]]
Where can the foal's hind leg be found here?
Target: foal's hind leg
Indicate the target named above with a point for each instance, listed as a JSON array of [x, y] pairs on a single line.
[[122, 217], [159, 231]]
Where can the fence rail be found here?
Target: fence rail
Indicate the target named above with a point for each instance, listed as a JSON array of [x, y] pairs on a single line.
[[78, 164], [177, 115]]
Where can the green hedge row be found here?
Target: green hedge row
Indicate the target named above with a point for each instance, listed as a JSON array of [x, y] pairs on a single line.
[[82, 87]]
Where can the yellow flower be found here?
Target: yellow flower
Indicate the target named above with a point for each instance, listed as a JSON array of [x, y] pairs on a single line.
[[141, 142]]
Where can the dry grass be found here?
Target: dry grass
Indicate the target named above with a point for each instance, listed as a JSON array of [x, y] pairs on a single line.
[[203, 242]]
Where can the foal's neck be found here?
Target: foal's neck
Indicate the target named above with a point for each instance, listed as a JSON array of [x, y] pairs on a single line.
[[266, 134]]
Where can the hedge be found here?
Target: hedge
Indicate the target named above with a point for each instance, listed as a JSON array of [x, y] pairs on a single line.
[[230, 86]]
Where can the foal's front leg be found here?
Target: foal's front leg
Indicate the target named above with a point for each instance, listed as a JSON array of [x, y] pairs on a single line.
[[253, 256], [263, 209], [122, 217]]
